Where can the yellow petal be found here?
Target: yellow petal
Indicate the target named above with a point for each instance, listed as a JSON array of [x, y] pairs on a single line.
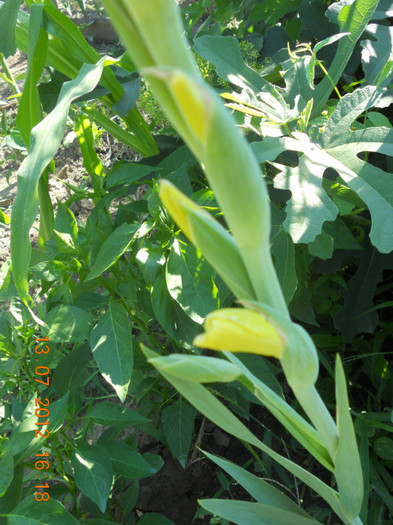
[[241, 330]]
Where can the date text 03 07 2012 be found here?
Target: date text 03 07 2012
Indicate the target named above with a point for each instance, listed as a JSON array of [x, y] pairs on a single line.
[[42, 411]]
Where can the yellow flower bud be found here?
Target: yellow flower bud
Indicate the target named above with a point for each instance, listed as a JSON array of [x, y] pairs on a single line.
[[241, 330], [178, 205]]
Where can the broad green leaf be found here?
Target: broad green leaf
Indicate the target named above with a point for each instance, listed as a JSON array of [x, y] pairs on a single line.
[[6, 471], [263, 492], [178, 425], [95, 521], [190, 281], [111, 344], [44, 142], [309, 206], [351, 19], [65, 221], [338, 149], [128, 462], [224, 53], [271, 12], [111, 414], [321, 246], [131, 93], [348, 470], [376, 54], [71, 370], [247, 513], [150, 261], [67, 324], [384, 10], [32, 512], [93, 473], [198, 368], [171, 317], [198, 396], [341, 235], [114, 246], [8, 16]]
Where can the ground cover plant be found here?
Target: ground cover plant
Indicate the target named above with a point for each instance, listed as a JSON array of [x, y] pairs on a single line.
[[237, 270]]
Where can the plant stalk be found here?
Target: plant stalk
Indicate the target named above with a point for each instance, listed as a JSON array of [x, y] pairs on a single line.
[[315, 408]]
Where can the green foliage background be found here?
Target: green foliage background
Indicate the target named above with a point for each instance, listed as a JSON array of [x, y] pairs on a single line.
[[309, 82]]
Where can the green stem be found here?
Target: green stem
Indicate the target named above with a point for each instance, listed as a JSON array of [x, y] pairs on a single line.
[[263, 277], [329, 77], [8, 74], [320, 417]]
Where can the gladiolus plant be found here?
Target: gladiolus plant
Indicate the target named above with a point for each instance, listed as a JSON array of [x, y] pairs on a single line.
[[153, 35]]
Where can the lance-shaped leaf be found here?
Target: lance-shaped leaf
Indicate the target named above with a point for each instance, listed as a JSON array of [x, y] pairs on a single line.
[[93, 473], [111, 344], [264, 492], [247, 513], [224, 53]]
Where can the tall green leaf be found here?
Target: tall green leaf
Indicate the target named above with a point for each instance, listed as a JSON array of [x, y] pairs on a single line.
[[247, 513], [30, 111], [8, 16], [44, 142], [348, 470]]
